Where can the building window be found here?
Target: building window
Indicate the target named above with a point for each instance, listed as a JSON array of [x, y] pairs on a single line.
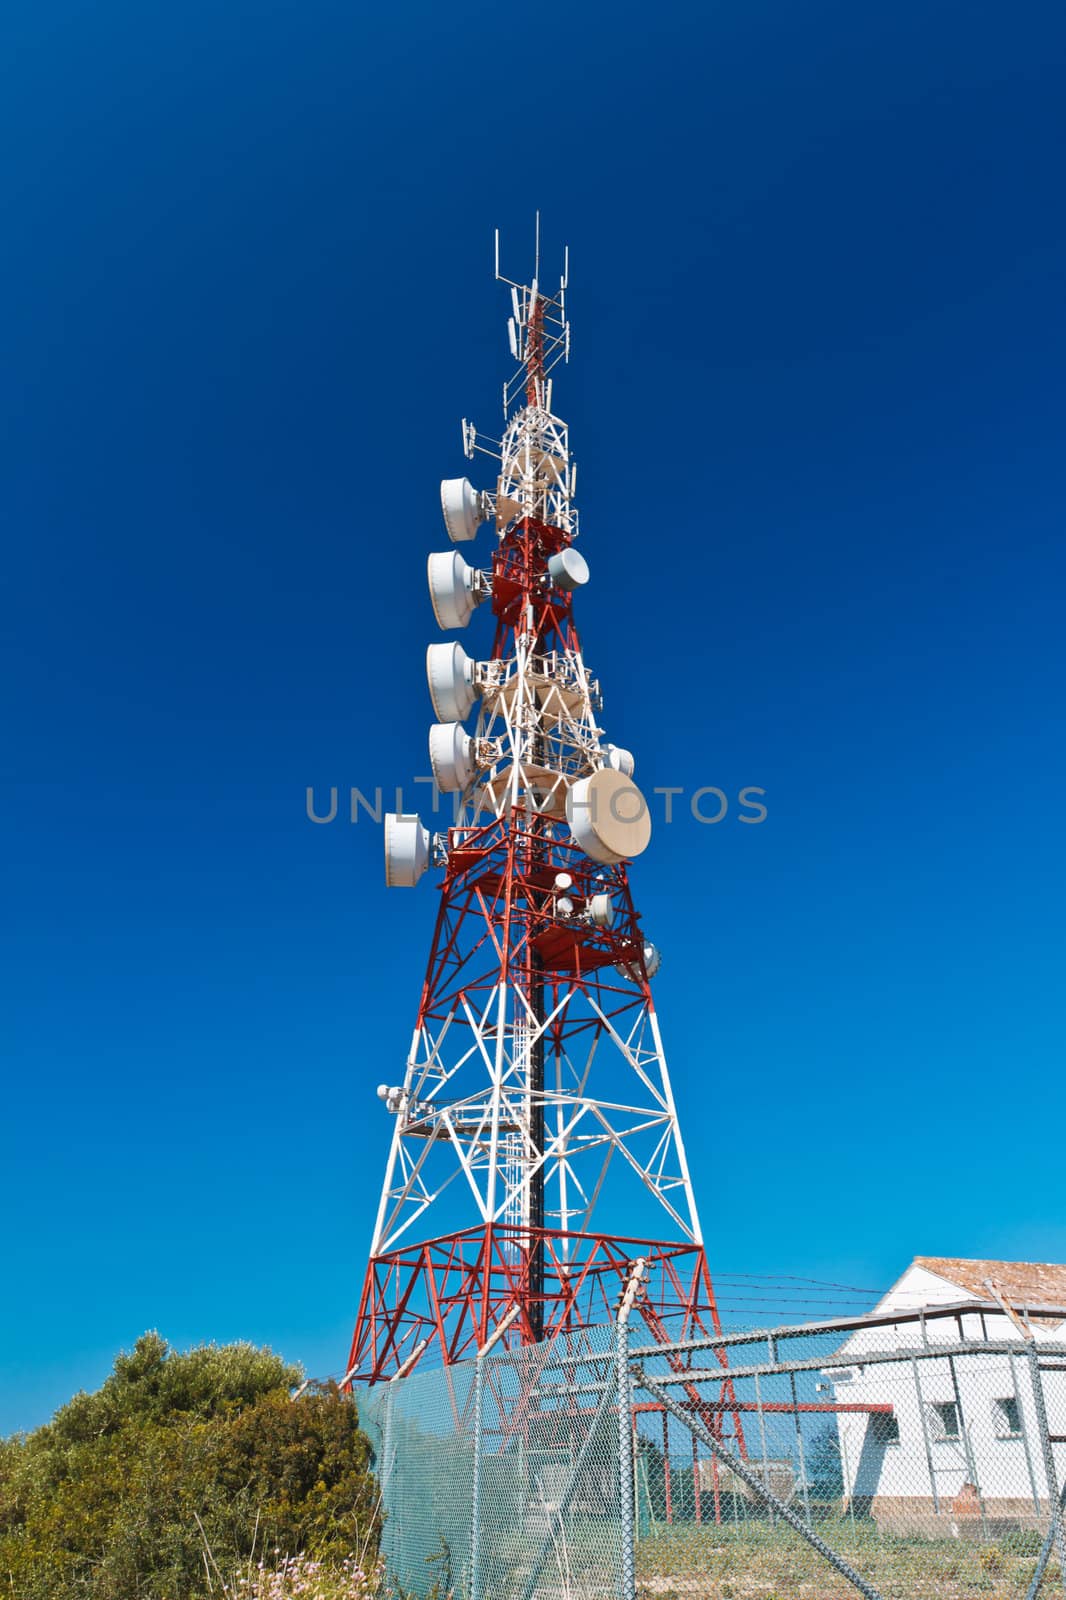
[[1007, 1418], [944, 1420], [884, 1427]]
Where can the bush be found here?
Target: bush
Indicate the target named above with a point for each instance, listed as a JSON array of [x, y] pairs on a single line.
[[178, 1471]]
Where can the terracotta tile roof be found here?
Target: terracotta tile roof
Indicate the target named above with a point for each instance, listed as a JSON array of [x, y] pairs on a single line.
[[1023, 1282]]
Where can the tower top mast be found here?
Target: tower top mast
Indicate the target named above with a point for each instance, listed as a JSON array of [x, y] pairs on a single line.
[[538, 331]]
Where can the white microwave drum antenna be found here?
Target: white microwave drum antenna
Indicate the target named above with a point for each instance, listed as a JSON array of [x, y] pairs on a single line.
[[619, 760], [568, 569], [451, 755], [406, 849], [450, 674], [463, 507], [453, 588], [608, 816], [601, 911], [653, 960]]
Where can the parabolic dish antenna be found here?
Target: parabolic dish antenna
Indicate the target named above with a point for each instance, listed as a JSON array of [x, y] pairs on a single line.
[[406, 849], [452, 588], [450, 673], [608, 816], [462, 508], [451, 755]]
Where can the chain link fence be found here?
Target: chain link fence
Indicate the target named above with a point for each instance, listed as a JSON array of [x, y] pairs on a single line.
[[915, 1455]]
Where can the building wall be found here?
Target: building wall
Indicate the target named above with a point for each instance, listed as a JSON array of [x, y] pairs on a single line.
[[986, 1471]]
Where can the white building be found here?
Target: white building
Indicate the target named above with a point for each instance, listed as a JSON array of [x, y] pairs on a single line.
[[957, 1446]]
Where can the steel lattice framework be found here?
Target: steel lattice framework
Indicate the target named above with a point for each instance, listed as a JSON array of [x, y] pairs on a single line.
[[536, 1091]]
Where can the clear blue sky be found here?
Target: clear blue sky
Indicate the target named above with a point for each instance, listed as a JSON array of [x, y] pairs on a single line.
[[818, 257]]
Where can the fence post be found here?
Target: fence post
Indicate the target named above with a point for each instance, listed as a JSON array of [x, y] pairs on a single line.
[[799, 1447], [479, 1434], [967, 1446], [1056, 1534], [627, 1578], [762, 1444], [386, 1441], [925, 1434], [475, 1480], [1025, 1434], [848, 1481]]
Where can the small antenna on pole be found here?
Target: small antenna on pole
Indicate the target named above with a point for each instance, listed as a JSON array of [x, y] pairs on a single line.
[[538, 333]]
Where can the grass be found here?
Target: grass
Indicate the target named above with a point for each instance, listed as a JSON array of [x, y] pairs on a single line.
[[758, 1562]]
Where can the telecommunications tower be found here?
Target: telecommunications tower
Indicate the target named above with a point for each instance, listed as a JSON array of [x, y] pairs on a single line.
[[535, 1106]]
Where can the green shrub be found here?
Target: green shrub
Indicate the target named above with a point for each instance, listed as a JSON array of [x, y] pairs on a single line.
[[181, 1466]]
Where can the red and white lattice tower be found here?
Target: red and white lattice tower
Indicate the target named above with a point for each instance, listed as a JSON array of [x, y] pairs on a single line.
[[536, 1103]]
